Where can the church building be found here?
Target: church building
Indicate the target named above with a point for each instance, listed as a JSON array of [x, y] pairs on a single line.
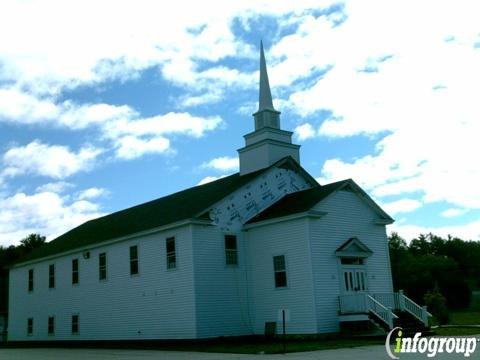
[[233, 257]]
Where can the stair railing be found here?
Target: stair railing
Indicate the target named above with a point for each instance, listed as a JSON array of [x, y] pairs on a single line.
[[410, 306], [382, 312]]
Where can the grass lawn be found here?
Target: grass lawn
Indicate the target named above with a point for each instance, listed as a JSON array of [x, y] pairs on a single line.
[[470, 316], [276, 347]]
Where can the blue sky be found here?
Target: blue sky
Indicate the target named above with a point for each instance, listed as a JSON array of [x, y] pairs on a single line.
[[107, 105]]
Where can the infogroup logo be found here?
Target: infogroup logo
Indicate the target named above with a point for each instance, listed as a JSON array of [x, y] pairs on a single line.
[[431, 346]]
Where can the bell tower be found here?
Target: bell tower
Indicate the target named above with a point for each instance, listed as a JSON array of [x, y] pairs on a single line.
[[268, 143]]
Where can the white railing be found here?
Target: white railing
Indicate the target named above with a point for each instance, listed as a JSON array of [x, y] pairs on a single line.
[[364, 303], [382, 305], [385, 314], [420, 312]]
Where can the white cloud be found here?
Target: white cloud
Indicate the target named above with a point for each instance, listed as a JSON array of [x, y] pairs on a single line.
[[53, 161], [46, 213], [91, 193], [57, 187], [168, 124], [208, 179], [468, 231], [131, 147], [408, 86], [453, 212], [401, 206], [223, 163], [174, 38], [305, 131]]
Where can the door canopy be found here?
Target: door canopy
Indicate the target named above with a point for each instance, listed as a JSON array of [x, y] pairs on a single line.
[[353, 248]]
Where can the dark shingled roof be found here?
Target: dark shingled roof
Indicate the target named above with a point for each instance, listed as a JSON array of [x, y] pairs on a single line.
[[298, 202], [166, 210]]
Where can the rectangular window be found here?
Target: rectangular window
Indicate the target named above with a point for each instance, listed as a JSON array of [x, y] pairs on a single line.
[[74, 271], [133, 260], [51, 276], [75, 324], [171, 257], [51, 325], [280, 271], [30, 280], [30, 326], [102, 266], [231, 250]]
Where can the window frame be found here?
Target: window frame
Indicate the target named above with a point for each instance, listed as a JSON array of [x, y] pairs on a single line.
[[51, 325], [279, 271], [31, 285], [76, 323], [134, 263], [102, 268], [231, 253], [75, 271], [171, 265], [51, 276], [30, 326]]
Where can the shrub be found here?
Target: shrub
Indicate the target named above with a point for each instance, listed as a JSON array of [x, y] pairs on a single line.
[[437, 305]]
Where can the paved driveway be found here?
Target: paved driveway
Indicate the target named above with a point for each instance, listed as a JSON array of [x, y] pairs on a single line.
[[360, 353]]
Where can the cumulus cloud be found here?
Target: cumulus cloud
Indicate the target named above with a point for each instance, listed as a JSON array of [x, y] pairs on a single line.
[[401, 206], [223, 163], [305, 131], [453, 212], [208, 179], [57, 187], [91, 193], [53, 161], [42, 212]]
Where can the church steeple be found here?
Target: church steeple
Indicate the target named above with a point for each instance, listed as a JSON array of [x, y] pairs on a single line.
[[266, 115], [265, 95], [268, 143]]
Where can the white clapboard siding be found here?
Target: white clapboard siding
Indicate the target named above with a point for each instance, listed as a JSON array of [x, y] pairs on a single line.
[[290, 239], [221, 291], [348, 216], [157, 303]]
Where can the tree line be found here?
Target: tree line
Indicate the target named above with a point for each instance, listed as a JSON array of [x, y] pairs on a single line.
[[439, 272], [8, 256]]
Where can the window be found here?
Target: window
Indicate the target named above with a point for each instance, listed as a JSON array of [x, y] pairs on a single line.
[[51, 325], [30, 280], [75, 324], [133, 260], [75, 271], [102, 266], [171, 258], [30, 326], [351, 261], [280, 271], [231, 250], [51, 276]]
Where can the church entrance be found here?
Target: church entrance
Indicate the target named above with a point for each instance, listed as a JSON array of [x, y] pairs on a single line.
[[354, 276]]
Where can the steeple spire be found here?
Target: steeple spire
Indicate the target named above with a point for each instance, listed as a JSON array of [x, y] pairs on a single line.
[[268, 143], [266, 115], [265, 95]]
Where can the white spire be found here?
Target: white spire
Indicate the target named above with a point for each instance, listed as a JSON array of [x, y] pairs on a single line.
[[265, 95], [266, 115]]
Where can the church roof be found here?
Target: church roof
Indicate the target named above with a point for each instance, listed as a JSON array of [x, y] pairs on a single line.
[[179, 206], [298, 202], [304, 200]]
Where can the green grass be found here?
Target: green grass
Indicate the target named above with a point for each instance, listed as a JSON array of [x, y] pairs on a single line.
[[470, 316], [276, 347], [456, 331]]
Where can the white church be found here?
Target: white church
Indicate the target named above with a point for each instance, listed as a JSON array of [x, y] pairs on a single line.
[[228, 258]]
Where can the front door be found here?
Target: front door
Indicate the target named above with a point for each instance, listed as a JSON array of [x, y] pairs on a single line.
[[354, 279]]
